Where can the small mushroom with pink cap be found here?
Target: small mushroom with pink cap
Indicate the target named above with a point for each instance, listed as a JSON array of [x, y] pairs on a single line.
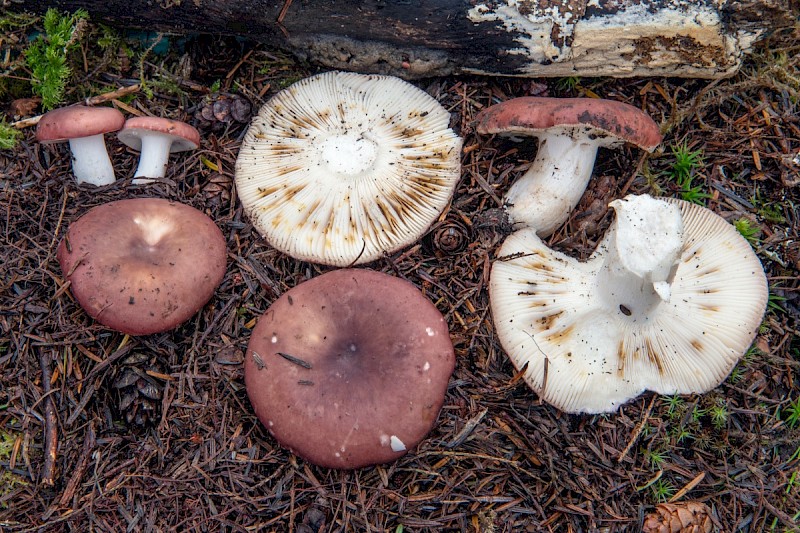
[[156, 138], [143, 265], [570, 130], [84, 128], [350, 368]]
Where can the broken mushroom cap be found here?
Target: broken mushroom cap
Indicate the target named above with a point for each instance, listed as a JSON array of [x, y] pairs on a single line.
[[350, 368], [144, 265], [342, 168], [669, 302], [570, 130], [84, 128], [156, 138]]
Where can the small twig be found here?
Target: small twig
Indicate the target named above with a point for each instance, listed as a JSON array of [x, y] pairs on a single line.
[[295, 360], [83, 461], [107, 97], [363, 247], [50, 423], [87, 395], [26, 122], [94, 100], [468, 428], [284, 10], [258, 361], [689, 486], [123, 349], [281, 16], [637, 430]]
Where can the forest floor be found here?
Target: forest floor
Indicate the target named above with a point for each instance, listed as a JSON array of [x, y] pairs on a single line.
[[156, 433]]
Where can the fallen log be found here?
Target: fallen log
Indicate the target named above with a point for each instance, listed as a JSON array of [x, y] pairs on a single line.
[[418, 38]]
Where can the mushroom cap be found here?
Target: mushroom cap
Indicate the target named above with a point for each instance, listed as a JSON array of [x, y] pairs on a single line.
[[183, 136], [350, 368], [586, 351], [340, 168], [77, 121], [614, 121], [143, 265]]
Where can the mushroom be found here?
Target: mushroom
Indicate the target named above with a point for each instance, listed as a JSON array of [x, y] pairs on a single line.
[[670, 300], [570, 130], [349, 369], [342, 168], [84, 128], [143, 265], [156, 138]]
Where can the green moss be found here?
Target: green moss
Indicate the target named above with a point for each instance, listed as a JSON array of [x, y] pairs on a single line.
[[47, 55], [9, 481], [8, 136]]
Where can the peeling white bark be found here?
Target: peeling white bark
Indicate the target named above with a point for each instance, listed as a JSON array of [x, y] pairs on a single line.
[[588, 37]]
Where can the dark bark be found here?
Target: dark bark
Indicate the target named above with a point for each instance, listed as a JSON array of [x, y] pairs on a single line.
[[416, 38]]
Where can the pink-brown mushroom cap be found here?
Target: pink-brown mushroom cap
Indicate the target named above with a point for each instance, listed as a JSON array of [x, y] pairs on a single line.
[[184, 137], [364, 371], [77, 121], [531, 114], [143, 265]]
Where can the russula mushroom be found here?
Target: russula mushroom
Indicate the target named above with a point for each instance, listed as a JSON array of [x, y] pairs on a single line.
[[349, 369], [570, 130], [84, 128], [342, 168], [143, 265], [669, 302], [156, 138]]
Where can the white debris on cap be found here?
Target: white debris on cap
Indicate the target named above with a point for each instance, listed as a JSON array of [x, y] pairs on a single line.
[[592, 339], [396, 444], [341, 168]]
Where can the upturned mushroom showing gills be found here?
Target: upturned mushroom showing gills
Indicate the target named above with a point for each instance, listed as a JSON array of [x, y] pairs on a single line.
[[570, 130], [349, 369], [143, 265], [669, 302], [342, 168], [84, 128]]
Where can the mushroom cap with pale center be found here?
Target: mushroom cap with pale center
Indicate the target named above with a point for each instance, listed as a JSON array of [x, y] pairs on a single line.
[[589, 347], [350, 368], [341, 168], [143, 265]]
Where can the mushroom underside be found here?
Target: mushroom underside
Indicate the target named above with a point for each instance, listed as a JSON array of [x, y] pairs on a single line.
[[589, 349], [342, 168]]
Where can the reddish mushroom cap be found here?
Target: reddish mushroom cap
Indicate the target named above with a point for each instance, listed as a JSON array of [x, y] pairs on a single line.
[[77, 121], [143, 265], [350, 368], [530, 114], [184, 137]]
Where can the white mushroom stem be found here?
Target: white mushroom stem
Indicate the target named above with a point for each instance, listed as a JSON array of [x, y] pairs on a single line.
[[554, 183], [90, 161], [154, 157], [642, 253]]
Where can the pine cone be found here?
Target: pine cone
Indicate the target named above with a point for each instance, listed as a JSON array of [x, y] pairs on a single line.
[[139, 394], [449, 236], [686, 517], [219, 110]]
